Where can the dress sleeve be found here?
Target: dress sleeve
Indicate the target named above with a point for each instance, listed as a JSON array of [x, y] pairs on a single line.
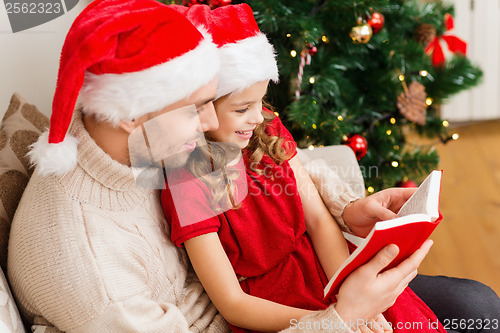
[[188, 210], [276, 128]]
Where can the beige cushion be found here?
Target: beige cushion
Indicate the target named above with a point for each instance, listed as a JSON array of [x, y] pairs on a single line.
[[341, 160], [20, 127]]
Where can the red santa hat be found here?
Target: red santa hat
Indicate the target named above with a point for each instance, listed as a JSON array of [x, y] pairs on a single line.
[[122, 59], [246, 55]]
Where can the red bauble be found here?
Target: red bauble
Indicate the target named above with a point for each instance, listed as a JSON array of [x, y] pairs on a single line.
[[358, 144], [219, 3], [376, 21], [407, 183]]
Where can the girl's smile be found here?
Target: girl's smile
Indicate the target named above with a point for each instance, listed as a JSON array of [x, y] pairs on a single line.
[[245, 135]]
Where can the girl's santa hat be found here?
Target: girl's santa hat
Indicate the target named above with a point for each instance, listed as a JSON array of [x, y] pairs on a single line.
[[122, 59], [246, 55]]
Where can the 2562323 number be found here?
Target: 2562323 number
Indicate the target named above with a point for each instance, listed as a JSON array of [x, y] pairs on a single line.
[[33, 8], [485, 324]]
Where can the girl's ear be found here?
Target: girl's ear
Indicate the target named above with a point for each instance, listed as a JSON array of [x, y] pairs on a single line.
[[128, 126]]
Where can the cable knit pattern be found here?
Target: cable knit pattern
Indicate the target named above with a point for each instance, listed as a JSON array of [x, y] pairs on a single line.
[[88, 253]]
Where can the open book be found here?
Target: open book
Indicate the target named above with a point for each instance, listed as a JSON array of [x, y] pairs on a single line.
[[418, 218]]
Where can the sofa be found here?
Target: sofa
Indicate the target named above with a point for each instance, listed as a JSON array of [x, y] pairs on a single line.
[[20, 127]]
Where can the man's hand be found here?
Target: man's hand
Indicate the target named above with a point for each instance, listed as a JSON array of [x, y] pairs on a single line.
[[361, 215], [367, 292]]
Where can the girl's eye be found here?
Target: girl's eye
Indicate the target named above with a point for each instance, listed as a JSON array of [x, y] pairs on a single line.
[[243, 110]]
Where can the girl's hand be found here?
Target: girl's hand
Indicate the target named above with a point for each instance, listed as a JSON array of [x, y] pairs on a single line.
[[367, 292]]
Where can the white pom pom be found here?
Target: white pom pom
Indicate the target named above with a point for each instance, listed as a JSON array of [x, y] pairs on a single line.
[[54, 158]]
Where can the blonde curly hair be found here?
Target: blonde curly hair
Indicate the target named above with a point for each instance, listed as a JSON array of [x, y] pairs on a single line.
[[214, 156]]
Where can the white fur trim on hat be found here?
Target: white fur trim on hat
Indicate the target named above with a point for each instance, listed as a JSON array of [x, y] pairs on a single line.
[[54, 158], [246, 62], [115, 97]]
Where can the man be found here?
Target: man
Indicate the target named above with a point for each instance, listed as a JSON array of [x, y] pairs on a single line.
[[88, 249]]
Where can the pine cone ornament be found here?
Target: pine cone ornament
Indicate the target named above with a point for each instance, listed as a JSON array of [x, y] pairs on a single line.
[[424, 34], [411, 103]]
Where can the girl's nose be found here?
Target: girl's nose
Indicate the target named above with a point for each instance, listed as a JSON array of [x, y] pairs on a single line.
[[257, 116]]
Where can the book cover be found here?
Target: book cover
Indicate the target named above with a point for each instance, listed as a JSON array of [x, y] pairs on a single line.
[[418, 218]]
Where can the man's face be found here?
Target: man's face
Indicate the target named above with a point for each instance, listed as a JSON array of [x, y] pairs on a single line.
[[166, 138]]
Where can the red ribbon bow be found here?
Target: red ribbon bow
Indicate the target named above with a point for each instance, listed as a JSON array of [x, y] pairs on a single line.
[[454, 43]]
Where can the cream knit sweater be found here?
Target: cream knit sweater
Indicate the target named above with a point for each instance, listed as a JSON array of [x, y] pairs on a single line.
[[88, 252]]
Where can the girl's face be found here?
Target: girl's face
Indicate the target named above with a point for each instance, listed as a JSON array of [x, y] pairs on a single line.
[[239, 114]]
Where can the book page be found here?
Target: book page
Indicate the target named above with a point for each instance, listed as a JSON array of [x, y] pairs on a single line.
[[426, 199], [356, 240]]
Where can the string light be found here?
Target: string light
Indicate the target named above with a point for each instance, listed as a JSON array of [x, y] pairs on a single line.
[[389, 132], [344, 138], [276, 114], [370, 189], [314, 126], [311, 147], [401, 77], [314, 102], [396, 147], [293, 53], [340, 118], [288, 35], [393, 120], [312, 80], [428, 101], [455, 136], [324, 39], [395, 164], [446, 123], [424, 73]]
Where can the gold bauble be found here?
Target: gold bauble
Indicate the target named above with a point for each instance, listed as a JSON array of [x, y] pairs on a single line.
[[361, 33]]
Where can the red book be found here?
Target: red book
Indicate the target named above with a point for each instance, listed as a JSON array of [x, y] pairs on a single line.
[[417, 219]]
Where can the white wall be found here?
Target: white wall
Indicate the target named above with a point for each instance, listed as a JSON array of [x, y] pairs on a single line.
[[29, 59], [478, 23]]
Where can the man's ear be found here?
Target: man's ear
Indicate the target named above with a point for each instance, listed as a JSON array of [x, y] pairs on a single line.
[[128, 125]]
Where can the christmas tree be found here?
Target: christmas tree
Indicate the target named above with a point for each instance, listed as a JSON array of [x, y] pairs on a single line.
[[366, 74]]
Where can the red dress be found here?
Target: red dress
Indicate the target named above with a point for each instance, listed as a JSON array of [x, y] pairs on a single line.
[[265, 239]]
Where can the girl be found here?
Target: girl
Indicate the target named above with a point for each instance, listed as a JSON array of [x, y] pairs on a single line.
[[265, 262]]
